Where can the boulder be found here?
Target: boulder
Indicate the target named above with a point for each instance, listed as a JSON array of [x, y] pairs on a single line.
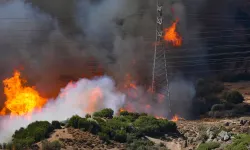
[[243, 122], [227, 124], [210, 134], [224, 136]]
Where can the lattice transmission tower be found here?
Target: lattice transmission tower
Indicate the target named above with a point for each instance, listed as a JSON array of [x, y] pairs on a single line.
[[160, 81]]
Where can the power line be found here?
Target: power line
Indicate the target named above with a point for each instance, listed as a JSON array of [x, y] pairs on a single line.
[[219, 54], [218, 70]]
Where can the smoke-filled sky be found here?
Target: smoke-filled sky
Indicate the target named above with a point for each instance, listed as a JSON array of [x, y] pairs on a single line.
[[53, 42]]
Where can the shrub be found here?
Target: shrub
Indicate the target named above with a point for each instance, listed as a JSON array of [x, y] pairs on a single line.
[[39, 134], [94, 127], [55, 145], [132, 116], [56, 125], [131, 137], [221, 114], [105, 113], [208, 146], [234, 97], [124, 113], [84, 124], [73, 121], [87, 116], [241, 108], [141, 145], [34, 132], [120, 136], [218, 107], [151, 126], [103, 136], [167, 126], [23, 143], [240, 142]]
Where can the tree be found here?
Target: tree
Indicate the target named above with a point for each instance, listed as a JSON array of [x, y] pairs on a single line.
[[73, 121], [56, 125], [234, 97]]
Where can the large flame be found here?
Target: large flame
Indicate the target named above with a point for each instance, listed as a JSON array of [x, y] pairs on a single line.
[[172, 36], [21, 100]]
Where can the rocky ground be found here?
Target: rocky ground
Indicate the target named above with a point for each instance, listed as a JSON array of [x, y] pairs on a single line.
[[75, 139], [211, 130]]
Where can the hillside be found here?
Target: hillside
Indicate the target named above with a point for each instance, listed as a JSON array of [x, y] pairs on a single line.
[[133, 131]]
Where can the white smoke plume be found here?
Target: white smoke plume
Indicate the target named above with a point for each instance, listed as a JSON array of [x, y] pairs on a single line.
[[84, 96]]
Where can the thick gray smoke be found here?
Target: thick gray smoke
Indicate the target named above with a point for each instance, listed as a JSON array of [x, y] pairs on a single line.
[[54, 41]]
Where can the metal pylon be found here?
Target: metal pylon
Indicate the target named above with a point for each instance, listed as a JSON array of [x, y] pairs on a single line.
[[160, 82]]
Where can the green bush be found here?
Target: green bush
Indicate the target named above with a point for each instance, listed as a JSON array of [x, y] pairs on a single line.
[[234, 97], [105, 113], [103, 136], [141, 145], [94, 127], [73, 121], [132, 116], [167, 126], [120, 136], [241, 142], [149, 125], [84, 124], [208, 146], [56, 125], [34, 132], [55, 145]]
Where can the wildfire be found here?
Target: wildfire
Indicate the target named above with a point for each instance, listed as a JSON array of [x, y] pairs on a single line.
[[175, 118], [172, 36], [94, 97], [21, 100]]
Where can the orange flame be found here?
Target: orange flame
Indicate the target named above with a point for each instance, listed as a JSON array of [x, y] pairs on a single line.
[[172, 36], [175, 118], [21, 100], [94, 97]]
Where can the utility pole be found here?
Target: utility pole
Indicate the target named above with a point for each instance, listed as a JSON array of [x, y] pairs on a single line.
[[160, 82]]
